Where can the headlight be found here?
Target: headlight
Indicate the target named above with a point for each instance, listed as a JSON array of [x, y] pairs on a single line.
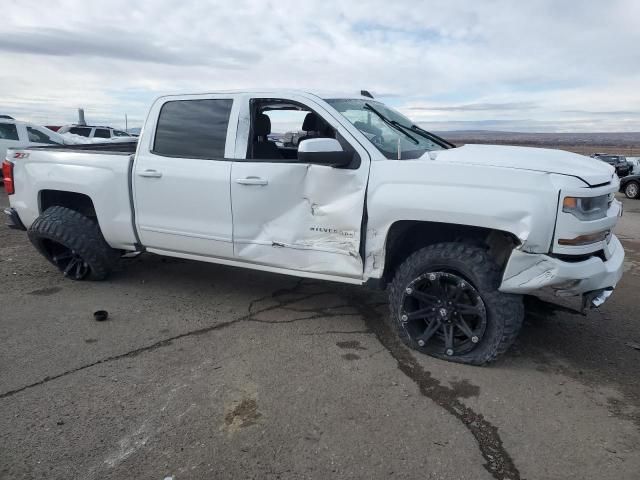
[[586, 208]]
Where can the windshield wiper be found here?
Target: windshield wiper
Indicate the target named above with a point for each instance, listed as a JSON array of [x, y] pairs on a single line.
[[397, 126], [432, 136]]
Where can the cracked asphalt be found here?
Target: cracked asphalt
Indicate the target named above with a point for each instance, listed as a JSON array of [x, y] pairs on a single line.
[[205, 371]]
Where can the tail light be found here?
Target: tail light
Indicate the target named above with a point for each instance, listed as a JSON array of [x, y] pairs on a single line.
[[7, 175]]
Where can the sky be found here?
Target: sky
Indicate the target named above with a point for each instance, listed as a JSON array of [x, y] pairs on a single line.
[[548, 66]]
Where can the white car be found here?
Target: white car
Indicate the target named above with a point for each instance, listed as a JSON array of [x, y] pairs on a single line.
[[93, 132], [16, 134], [458, 235]]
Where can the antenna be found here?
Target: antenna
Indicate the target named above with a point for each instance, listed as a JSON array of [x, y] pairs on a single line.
[[365, 93]]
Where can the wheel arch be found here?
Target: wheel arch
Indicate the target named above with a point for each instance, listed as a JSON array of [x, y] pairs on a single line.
[[78, 202], [405, 237]]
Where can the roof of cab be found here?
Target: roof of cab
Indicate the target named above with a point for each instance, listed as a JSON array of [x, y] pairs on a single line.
[[277, 91]]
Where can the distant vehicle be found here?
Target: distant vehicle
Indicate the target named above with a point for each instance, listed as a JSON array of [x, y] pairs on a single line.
[[616, 161], [16, 134], [634, 165], [630, 186], [90, 131], [367, 197]]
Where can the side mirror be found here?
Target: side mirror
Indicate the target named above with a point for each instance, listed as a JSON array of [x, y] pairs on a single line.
[[323, 151]]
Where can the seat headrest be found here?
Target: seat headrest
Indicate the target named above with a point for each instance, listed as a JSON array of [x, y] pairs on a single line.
[[262, 128], [311, 122]]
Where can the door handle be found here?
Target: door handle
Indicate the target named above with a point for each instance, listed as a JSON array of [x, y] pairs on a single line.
[[252, 181], [150, 174]]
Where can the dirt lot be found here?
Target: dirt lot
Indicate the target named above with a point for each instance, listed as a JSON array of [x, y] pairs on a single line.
[[204, 371]]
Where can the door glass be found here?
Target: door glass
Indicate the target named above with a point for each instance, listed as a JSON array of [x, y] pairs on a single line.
[[193, 128], [278, 126], [8, 131], [82, 131], [102, 133]]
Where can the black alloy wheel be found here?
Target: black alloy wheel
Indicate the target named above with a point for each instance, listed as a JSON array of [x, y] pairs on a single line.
[[443, 313], [68, 261]]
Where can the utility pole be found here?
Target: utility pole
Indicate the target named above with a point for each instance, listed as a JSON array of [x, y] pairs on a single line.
[[126, 124]]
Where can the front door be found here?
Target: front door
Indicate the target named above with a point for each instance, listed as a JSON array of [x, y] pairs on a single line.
[[181, 177], [295, 215]]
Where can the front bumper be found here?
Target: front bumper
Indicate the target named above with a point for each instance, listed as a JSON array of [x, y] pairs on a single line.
[[529, 272], [13, 219]]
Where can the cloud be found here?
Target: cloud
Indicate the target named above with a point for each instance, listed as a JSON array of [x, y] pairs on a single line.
[[121, 45], [543, 64], [478, 107]]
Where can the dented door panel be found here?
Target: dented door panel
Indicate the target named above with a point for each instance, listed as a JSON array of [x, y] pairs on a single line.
[[307, 217]]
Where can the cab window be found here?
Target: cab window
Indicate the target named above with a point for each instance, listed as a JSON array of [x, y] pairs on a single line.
[[82, 131], [193, 128], [8, 131], [102, 133], [279, 126]]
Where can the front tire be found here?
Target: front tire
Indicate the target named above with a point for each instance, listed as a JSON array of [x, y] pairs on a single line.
[[445, 302], [632, 189], [73, 243]]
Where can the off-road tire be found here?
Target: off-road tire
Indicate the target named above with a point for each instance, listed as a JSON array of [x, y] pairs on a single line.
[[629, 189], [77, 233], [504, 312]]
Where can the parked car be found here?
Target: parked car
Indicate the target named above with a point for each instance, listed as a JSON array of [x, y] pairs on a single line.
[[16, 134], [634, 165], [617, 161], [89, 131], [630, 186], [458, 235]]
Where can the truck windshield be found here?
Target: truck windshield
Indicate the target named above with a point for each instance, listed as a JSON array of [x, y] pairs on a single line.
[[390, 132]]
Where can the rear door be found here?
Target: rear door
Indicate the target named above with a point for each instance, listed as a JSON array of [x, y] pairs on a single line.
[[295, 215], [181, 176]]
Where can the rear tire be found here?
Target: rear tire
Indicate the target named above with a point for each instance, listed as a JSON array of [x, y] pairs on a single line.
[[73, 243], [445, 302], [632, 189]]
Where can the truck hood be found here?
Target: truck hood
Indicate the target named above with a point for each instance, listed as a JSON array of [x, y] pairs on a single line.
[[592, 171]]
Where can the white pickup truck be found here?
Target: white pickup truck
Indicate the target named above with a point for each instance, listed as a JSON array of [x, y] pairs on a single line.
[[367, 197]]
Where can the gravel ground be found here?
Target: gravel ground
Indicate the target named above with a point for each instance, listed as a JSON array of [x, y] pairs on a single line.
[[204, 371]]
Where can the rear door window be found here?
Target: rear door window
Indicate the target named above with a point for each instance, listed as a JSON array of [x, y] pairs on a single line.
[[82, 131], [193, 128], [102, 133], [8, 131]]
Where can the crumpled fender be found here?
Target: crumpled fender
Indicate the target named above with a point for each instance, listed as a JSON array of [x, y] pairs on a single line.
[[520, 202]]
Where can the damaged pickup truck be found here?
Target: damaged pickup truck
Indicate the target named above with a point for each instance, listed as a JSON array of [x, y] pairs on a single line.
[[458, 235]]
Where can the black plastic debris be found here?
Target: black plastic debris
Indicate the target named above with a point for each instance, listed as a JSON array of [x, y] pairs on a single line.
[[100, 315]]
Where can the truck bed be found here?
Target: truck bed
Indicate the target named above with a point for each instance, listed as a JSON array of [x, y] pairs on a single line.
[[101, 172]]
